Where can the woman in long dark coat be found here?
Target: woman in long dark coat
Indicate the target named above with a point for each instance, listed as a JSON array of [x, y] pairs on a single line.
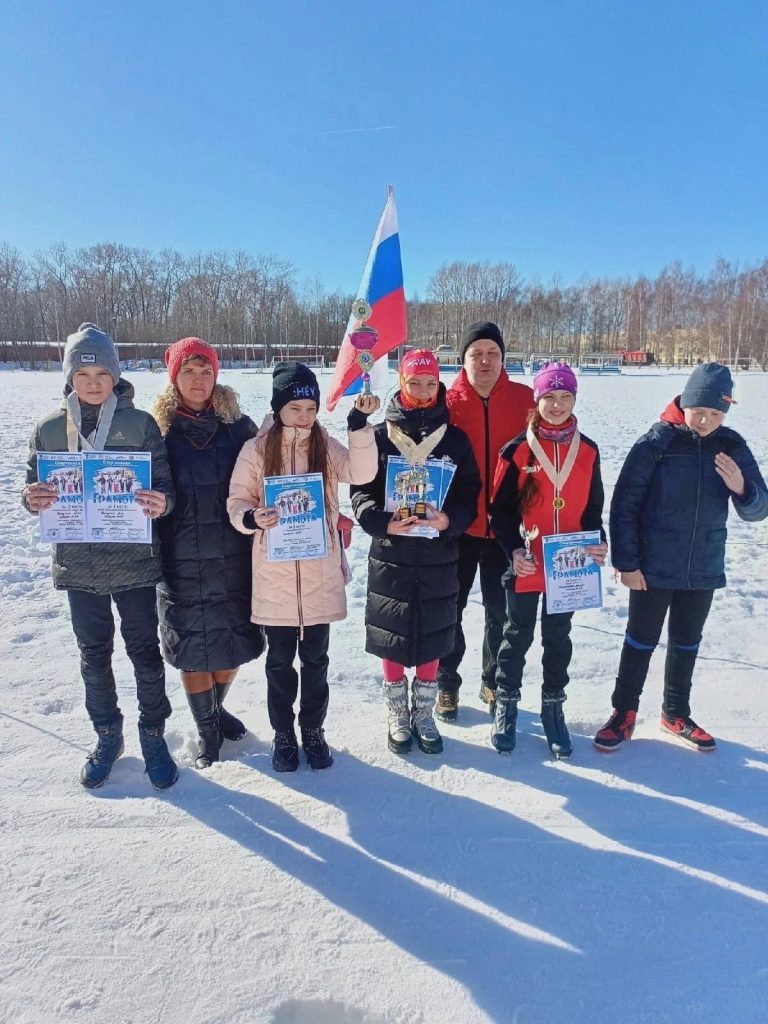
[[413, 583], [204, 598]]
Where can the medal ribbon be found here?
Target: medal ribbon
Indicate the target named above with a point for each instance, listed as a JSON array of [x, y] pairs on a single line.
[[558, 478], [415, 453], [97, 438]]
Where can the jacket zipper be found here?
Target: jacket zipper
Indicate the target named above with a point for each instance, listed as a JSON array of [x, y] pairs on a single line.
[[486, 412], [297, 563], [696, 513]]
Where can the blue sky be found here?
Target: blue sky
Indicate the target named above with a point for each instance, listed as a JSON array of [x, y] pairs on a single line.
[[570, 138]]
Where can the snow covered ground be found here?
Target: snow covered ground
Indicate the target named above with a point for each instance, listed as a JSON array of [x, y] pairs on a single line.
[[458, 889]]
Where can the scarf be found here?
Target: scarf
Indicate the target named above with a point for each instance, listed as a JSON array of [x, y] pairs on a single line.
[[560, 435]]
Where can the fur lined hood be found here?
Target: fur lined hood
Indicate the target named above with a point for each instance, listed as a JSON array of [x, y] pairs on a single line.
[[225, 401]]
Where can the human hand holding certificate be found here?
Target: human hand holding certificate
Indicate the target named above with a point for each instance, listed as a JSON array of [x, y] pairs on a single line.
[[417, 492], [300, 532], [96, 497]]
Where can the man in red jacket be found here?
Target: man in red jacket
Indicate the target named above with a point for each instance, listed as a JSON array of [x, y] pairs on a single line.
[[491, 409]]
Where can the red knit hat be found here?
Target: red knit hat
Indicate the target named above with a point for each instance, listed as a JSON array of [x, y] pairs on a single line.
[[178, 353]]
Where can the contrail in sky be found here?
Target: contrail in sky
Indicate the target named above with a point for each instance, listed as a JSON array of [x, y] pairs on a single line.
[[356, 131]]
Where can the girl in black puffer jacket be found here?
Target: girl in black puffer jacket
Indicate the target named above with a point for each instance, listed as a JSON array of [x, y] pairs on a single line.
[[668, 531], [413, 580]]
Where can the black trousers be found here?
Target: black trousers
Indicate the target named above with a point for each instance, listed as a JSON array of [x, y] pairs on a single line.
[[486, 554], [283, 680], [518, 637], [688, 611], [94, 627]]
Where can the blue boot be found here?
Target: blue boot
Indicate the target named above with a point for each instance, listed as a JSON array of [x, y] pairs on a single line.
[[96, 769], [161, 768]]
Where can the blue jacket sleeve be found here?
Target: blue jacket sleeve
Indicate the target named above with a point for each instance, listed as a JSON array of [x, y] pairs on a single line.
[[627, 504], [753, 506]]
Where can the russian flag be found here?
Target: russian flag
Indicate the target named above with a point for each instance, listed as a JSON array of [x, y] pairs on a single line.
[[382, 288]]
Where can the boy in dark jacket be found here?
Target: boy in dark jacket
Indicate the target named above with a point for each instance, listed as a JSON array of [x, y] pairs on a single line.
[[668, 532], [98, 415]]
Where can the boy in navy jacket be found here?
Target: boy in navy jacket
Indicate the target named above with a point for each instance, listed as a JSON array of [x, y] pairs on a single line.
[[668, 532]]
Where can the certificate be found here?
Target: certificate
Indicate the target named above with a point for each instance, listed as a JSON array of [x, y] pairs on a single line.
[[301, 532], [112, 514], [96, 497], [571, 577], [64, 521], [407, 485]]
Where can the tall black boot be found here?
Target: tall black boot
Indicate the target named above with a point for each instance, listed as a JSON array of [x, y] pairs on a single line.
[[504, 728], [231, 728], [553, 720], [205, 712]]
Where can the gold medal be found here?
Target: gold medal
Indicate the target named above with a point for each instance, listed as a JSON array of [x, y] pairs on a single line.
[[558, 503]]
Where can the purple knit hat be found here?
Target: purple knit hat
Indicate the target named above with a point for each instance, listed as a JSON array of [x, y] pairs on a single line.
[[554, 377]]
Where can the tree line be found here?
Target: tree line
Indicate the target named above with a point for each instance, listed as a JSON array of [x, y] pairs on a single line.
[[252, 308]]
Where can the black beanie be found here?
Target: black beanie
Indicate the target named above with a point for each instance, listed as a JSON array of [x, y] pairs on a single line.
[[485, 329], [293, 382]]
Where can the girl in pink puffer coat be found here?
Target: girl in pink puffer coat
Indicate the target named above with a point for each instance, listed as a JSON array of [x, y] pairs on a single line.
[[297, 600]]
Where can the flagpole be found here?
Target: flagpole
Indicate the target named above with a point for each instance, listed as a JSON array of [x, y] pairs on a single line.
[[400, 348]]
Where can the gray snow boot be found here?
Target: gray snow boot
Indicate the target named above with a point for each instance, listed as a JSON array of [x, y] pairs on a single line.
[[398, 716], [422, 720], [504, 728], [109, 747]]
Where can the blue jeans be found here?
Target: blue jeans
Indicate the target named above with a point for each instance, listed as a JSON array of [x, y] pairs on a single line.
[[94, 628]]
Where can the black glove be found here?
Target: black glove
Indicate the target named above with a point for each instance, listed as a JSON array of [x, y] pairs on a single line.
[[249, 520], [356, 419]]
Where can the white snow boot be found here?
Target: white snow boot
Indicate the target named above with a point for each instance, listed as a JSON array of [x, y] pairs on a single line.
[[398, 716], [422, 721]]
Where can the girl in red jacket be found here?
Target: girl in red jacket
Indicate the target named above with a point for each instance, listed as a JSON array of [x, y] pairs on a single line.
[[548, 482]]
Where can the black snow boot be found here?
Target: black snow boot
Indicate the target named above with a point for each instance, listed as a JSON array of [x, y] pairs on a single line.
[[205, 712], [285, 751], [109, 747], [231, 728], [553, 720], [504, 728], [161, 768], [316, 750]]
